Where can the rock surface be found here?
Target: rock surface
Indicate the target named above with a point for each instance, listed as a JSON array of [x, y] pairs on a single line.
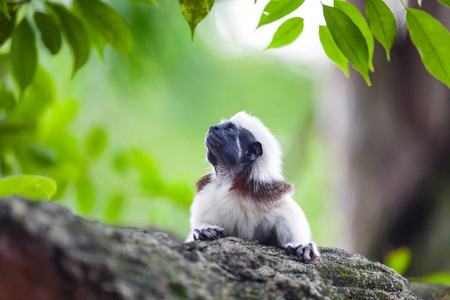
[[48, 253]]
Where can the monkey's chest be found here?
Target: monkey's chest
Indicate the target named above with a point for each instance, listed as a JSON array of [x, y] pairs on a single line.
[[239, 218]]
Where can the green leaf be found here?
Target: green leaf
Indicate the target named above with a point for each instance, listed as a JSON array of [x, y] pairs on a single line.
[[276, 9], [439, 277], [75, 33], [21, 12], [6, 98], [59, 117], [71, 162], [108, 23], [23, 54], [4, 9], [382, 22], [85, 196], [97, 41], [194, 11], [49, 32], [445, 2], [37, 98], [44, 155], [96, 142], [32, 187], [287, 32], [6, 27], [357, 18], [399, 260], [332, 50], [349, 39], [432, 40], [114, 207]]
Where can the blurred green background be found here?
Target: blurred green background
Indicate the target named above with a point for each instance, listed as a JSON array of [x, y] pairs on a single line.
[[124, 136]]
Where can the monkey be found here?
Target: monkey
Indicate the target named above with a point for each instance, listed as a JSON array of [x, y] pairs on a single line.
[[245, 194]]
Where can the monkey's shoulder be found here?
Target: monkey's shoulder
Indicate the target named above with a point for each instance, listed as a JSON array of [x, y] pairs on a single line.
[[203, 181]]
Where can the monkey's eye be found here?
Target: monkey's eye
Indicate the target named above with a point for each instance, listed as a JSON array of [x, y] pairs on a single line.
[[229, 128]]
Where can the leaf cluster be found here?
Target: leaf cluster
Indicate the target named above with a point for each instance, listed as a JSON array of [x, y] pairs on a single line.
[[34, 138], [348, 36], [87, 24]]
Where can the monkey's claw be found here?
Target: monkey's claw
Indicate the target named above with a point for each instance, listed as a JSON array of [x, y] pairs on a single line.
[[305, 253], [208, 234]]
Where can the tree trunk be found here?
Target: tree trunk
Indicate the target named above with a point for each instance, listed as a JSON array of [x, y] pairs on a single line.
[[392, 144]]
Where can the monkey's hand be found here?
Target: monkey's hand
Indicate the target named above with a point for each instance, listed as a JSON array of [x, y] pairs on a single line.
[[305, 253], [208, 234]]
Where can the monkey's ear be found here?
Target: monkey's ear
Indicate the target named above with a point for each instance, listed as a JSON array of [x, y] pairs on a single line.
[[255, 150], [258, 148]]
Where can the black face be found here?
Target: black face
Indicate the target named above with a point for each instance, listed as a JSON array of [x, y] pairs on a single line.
[[230, 148]]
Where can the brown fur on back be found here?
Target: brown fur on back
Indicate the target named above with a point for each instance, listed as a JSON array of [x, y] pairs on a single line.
[[203, 181]]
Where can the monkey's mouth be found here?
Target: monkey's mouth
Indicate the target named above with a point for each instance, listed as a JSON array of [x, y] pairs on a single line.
[[213, 141]]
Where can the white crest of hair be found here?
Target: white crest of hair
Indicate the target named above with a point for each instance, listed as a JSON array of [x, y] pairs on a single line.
[[267, 167]]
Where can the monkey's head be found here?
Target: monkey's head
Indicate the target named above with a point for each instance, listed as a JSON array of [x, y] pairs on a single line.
[[243, 145]]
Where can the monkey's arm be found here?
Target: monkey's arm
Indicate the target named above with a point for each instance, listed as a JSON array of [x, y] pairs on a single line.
[[294, 233], [201, 229]]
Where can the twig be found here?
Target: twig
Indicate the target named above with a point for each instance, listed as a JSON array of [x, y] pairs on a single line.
[[404, 5]]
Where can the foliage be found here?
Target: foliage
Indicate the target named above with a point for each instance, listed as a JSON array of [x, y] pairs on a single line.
[[32, 187], [287, 32], [34, 134], [276, 10], [348, 37], [439, 277], [194, 11], [332, 50], [433, 42], [65, 130], [382, 23], [35, 126], [399, 260]]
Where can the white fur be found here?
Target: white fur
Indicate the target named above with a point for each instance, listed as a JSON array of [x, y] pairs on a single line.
[[268, 166], [216, 205]]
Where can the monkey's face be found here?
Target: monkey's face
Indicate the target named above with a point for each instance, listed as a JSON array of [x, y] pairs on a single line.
[[231, 149]]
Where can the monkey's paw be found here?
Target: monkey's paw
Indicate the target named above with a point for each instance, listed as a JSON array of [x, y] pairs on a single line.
[[305, 253], [208, 234]]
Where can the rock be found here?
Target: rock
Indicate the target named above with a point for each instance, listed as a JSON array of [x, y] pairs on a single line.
[[430, 291], [48, 253]]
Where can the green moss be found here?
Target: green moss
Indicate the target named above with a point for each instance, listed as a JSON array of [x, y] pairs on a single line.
[[178, 290], [380, 295]]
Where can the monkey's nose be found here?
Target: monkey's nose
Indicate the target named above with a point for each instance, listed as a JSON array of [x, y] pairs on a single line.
[[215, 129]]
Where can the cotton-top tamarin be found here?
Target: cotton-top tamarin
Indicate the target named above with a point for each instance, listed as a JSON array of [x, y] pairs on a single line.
[[245, 195]]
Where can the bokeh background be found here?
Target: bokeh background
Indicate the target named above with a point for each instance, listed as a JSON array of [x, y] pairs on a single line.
[[124, 136]]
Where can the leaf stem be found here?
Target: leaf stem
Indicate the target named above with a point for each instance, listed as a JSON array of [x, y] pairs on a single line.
[[403, 4]]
